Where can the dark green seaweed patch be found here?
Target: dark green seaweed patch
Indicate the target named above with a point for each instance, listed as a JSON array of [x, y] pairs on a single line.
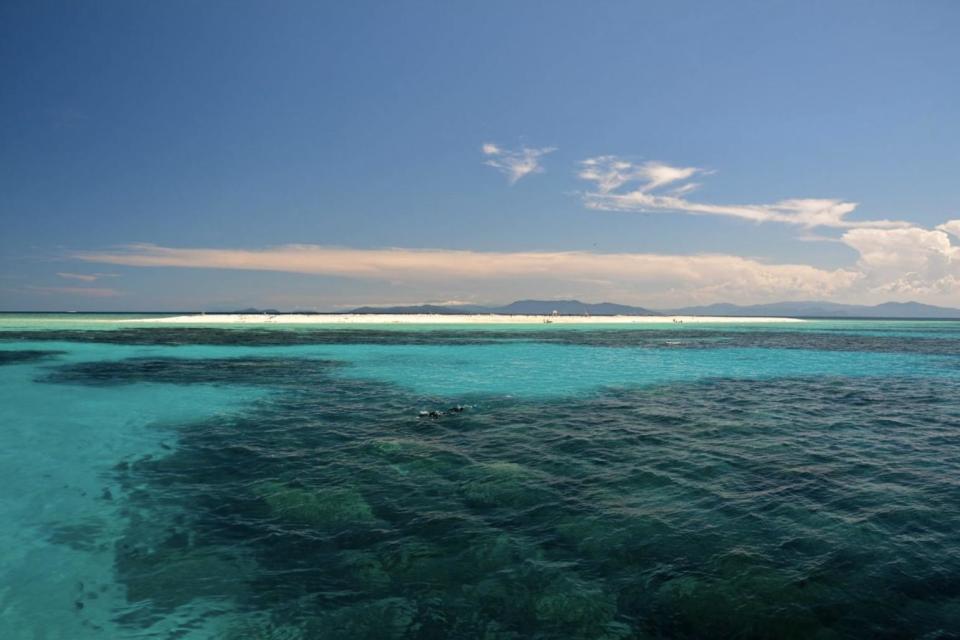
[[273, 372], [726, 508], [25, 356], [253, 336]]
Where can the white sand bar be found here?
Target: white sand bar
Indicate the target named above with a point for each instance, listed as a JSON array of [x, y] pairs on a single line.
[[375, 318]]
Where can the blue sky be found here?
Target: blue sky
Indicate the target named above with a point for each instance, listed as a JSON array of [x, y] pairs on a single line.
[[185, 155]]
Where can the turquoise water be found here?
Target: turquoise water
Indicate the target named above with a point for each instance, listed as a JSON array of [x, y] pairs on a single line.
[[641, 481]]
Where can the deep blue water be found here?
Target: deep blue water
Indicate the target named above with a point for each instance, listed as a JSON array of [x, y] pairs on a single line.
[[718, 481]]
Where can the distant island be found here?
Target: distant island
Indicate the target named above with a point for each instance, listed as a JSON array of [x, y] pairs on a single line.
[[899, 310], [574, 312], [521, 307], [802, 309]]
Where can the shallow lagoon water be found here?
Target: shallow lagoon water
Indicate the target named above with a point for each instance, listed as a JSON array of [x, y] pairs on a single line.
[[618, 482]]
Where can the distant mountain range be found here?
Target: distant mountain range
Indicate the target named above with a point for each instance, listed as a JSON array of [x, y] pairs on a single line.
[[823, 310], [805, 309], [423, 308], [524, 307]]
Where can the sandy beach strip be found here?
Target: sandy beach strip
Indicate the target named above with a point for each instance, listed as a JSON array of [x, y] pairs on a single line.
[[372, 318]]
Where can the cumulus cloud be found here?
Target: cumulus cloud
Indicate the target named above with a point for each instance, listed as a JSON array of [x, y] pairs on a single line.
[[952, 227], [909, 262], [621, 185], [514, 163], [650, 277]]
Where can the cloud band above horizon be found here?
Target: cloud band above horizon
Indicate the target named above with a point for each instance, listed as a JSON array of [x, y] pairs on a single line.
[[900, 262]]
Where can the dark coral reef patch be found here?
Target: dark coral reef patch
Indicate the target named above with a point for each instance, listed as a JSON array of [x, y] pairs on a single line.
[[778, 508]]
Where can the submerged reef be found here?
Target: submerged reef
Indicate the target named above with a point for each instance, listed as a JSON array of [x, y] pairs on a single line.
[[26, 356], [926, 338], [501, 484], [249, 371], [205, 572], [318, 507], [777, 508]]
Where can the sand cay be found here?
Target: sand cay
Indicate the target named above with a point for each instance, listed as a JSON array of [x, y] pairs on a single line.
[[363, 318]]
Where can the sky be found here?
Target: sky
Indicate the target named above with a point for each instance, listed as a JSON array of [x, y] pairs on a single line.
[[307, 155]]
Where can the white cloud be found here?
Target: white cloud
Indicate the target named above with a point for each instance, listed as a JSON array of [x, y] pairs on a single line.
[[85, 277], [908, 263], [638, 277], [893, 264], [610, 173], [952, 227], [514, 163], [685, 189]]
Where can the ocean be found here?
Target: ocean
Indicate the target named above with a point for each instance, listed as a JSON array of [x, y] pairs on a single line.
[[470, 481]]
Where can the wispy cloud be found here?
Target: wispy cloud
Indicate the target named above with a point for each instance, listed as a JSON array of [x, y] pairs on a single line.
[[664, 277], [514, 163], [90, 292], [86, 277], [621, 185], [610, 173]]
